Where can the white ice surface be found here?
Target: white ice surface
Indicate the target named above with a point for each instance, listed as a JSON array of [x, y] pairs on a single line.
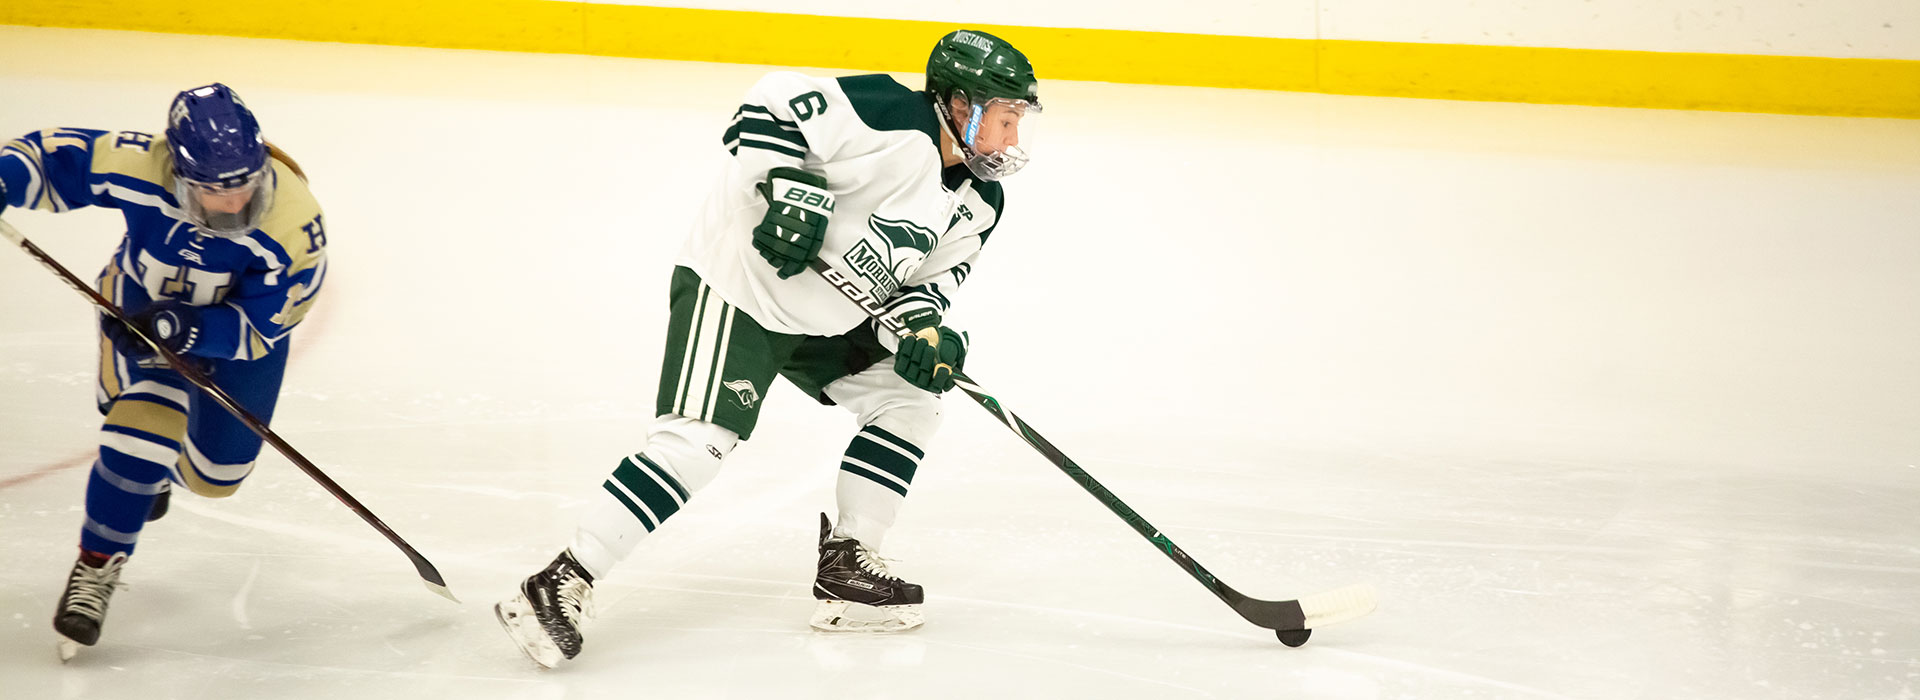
[[1606, 403]]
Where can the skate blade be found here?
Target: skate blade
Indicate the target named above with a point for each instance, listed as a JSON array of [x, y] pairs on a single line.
[[516, 617], [67, 649], [842, 617]]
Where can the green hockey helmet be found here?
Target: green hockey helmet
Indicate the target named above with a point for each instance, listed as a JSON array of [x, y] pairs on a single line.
[[997, 84]]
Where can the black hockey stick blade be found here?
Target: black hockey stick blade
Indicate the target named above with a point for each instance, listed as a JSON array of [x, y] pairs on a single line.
[[431, 577]]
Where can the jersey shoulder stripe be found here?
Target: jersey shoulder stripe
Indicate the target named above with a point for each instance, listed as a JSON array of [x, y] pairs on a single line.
[[755, 126], [134, 168]]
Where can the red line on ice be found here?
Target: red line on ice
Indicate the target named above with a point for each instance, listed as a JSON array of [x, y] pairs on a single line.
[[62, 465]]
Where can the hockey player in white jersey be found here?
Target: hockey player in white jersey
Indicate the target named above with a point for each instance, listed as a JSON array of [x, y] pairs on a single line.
[[894, 187]]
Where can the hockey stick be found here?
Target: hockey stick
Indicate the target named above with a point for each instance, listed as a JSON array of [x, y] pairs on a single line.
[[1291, 620], [193, 374]]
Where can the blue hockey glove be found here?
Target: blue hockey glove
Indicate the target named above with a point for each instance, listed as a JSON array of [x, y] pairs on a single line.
[[795, 226], [173, 324], [930, 357]]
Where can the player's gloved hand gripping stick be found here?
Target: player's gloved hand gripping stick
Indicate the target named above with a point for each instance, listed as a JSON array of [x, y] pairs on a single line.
[[1291, 620], [142, 332], [795, 225], [171, 323], [930, 355]]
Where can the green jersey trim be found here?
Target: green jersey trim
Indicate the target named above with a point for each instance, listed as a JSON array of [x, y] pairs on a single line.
[[883, 104]]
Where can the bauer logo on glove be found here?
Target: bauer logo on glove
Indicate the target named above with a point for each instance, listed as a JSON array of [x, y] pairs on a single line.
[[819, 199], [795, 225]]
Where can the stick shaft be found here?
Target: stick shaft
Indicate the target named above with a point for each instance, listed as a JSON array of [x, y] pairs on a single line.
[[199, 379], [874, 308]]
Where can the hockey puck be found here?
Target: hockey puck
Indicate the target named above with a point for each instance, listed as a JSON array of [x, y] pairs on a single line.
[[1293, 638]]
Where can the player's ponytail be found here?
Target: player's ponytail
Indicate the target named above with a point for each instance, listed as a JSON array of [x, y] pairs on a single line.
[[282, 156]]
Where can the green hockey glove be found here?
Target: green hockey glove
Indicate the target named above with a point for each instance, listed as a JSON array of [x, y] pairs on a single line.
[[930, 357], [795, 226]]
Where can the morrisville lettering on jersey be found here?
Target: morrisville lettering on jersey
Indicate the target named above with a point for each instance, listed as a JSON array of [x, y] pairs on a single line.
[[866, 261]]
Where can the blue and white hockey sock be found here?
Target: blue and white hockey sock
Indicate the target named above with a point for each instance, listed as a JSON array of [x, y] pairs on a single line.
[[138, 441]]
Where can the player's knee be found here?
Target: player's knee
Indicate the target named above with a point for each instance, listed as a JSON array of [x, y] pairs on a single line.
[[691, 449], [206, 487], [208, 478], [913, 417]]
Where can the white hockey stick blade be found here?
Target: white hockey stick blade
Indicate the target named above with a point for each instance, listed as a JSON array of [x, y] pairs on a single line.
[[1339, 605]]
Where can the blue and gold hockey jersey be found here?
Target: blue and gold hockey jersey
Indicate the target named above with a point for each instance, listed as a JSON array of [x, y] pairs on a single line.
[[252, 289]]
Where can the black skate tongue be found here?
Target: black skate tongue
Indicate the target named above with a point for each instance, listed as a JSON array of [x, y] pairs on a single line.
[[826, 529]]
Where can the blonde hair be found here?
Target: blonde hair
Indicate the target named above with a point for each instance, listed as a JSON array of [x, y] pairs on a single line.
[[279, 155]]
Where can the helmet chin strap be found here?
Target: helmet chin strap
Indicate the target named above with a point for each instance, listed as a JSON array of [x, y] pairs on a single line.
[[946, 127], [964, 140], [973, 127]]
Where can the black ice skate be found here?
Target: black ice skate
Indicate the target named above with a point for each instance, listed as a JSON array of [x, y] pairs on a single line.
[[545, 619], [160, 502], [857, 593], [83, 607]]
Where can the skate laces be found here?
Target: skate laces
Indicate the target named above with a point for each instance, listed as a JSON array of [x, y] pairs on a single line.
[[873, 562], [576, 598], [89, 587]]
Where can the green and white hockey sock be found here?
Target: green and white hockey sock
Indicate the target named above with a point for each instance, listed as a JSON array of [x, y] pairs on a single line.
[[682, 456], [874, 477]]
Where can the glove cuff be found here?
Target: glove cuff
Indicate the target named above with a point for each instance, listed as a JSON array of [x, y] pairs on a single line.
[[920, 319]]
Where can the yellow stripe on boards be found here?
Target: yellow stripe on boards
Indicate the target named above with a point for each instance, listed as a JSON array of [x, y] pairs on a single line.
[[1726, 82], [505, 25], [1731, 82]]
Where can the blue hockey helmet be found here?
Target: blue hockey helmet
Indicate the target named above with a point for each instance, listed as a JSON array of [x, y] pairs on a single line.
[[220, 170]]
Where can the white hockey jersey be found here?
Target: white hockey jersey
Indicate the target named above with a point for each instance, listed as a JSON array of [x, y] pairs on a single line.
[[901, 223]]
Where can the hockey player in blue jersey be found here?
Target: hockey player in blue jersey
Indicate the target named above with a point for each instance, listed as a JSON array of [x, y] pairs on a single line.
[[894, 187], [224, 254]]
